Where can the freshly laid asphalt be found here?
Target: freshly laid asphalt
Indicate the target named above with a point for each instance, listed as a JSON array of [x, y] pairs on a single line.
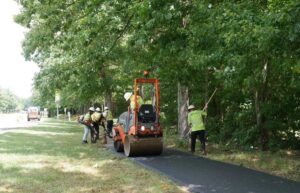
[[202, 175]]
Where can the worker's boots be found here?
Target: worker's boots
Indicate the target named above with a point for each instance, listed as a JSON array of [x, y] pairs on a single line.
[[84, 142], [104, 140]]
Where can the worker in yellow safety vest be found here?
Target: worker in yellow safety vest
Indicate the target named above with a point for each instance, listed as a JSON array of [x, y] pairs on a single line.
[[109, 121], [88, 125], [195, 122], [96, 121], [129, 96]]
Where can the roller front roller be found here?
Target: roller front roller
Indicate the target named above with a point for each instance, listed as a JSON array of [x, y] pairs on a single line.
[[134, 146]]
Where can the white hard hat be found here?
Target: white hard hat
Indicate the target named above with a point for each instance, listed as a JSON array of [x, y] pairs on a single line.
[[127, 95], [106, 108], [191, 107], [91, 109], [98, 109]]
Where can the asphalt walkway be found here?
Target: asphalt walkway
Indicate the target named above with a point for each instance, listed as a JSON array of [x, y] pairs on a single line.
[[202, 175]]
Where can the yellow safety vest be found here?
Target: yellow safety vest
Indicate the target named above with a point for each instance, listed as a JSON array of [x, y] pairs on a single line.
[[109, 116], [139, 101], [87, 117], [96, 116], [195, 119]]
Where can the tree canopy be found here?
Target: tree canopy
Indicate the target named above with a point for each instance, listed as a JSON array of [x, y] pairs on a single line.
[[9, 102], [92, 50]]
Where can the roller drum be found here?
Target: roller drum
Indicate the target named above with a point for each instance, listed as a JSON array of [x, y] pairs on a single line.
[[134, 146]]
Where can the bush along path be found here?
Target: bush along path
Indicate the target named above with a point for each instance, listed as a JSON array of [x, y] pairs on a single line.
[[50, 158]]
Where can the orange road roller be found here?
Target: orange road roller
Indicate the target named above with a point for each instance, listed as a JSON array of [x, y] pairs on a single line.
[[138, 130]]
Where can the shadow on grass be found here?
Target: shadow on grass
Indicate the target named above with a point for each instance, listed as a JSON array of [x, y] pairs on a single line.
[[53, 141], [107, 177], [59, 126], [55, 180], [52, 145], [52, 159]]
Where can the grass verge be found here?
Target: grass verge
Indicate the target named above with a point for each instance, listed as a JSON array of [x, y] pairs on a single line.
[[284, 163], [50, 158]]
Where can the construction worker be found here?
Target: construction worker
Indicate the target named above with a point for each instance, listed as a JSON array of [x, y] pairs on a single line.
[[87, 122], [195, 122], [102, 125], [109, 120], [96, 120], [129, 97]]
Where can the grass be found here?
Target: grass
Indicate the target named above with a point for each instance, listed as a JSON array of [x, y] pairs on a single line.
[[284, 163], [50, 158]]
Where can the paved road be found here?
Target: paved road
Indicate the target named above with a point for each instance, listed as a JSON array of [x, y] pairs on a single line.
[[14, 121], [202, 175]]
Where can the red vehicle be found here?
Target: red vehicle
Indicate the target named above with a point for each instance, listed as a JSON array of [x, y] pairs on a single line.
[[33, 113], [140, 133]]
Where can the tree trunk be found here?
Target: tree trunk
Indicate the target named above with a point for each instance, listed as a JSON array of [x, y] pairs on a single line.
[[107, 100], [261, 97], [182, 101], [108, 96]]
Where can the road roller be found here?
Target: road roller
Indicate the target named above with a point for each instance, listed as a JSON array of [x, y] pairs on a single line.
[[138, 130]]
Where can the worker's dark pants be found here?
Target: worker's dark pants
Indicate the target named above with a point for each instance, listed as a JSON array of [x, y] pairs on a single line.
[[92, 133], [109, 126], [103, 125], [198, 134], [129, 121], [96, 126]]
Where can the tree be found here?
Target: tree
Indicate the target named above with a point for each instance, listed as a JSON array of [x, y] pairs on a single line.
[[92, 50]]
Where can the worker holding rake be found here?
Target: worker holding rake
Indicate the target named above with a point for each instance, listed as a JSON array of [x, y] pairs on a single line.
[[196, 124]]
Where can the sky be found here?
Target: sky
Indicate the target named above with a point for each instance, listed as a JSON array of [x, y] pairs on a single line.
[[16, 74]]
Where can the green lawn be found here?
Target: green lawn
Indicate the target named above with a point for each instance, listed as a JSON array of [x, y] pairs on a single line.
[[50, 158]]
